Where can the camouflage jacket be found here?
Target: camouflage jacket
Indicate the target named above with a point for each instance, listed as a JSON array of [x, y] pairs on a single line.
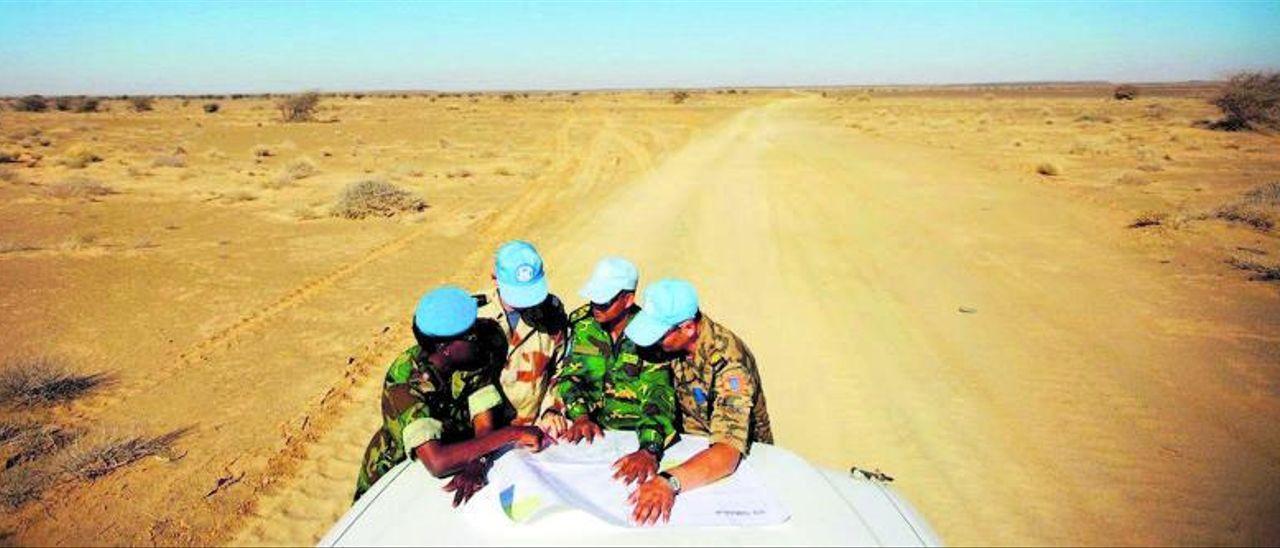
[[418, 406], [535, 347], [718, 390], [611, 383]]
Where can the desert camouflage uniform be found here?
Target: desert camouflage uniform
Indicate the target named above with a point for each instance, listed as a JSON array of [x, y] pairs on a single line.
[[718, 390], [418, 406], [535, 347], [610, 383]]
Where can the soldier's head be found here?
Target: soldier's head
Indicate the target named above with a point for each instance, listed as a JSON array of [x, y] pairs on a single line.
[[611, 290], [518, 273], [669, 316], [444, 327]]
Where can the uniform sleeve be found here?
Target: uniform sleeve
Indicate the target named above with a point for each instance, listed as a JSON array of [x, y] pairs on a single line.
[[658, 401], [580, 382], [405, 413], [735, 389]]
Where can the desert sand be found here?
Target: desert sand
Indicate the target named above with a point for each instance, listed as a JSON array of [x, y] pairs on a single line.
[[922, 293]]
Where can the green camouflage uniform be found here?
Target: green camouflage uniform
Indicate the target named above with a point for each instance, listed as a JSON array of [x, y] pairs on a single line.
[[419, 406], [718, 389], [611, 383]]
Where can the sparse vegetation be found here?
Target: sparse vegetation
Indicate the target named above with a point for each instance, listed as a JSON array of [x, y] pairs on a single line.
[[41, 380], [375, 198], [29, 442], [211, 108], [262, 151], [1150, 218], [79, 157], [1259, 271], [1125, 92], [298, 169], [299, 108], [1249, 100], [21, 485], [1048, 169], [141, 104], [78, 187], [1133, 179], [1258, 208], [92, 460], [679, 96], [31, 103]]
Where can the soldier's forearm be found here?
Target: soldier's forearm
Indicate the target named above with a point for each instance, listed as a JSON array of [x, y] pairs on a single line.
[[706, 467], [444, 459]]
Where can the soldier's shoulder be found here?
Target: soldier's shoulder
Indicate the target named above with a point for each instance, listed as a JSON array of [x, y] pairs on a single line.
[[580, 314], [723, 345], [404, 366]]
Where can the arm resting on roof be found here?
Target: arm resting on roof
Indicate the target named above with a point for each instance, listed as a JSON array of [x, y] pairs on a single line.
[[444, 459], [707, 466]]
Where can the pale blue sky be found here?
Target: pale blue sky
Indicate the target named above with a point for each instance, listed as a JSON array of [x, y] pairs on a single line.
[[172, 47]]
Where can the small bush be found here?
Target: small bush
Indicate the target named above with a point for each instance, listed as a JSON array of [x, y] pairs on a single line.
[[22, 485], [1125, 92], [77, 104], [1260, 272], [1150, 218], [78, 187], [90, 461], [39, 381], [299, 108], [679, 97], [10, 176], [1258, 208], [1249, 100], [298, 169], [1133, 179], [78, 158], [141, 104], [31, 103], [30, 442], [262, 151], [211, 108], [375, 198], [1048, 169]]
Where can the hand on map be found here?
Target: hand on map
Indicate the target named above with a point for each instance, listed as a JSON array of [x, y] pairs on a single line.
[[653, 501], [636, 467], [532, 438], [469, 480], [553, 423], [583, 428]]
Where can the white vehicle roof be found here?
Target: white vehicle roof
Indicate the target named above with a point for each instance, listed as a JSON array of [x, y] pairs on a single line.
[[407, 507]]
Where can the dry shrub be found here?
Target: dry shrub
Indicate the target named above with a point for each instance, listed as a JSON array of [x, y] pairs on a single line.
[[1149, 218], [170, 160], [262, 151], [1249, 100], [21, 485], [10, 156], [141, 104], [299, 108], [78, 157], [460, 173], [29, 442], [1049, 169], [10, 176], [238, 196], [1093, 117], [375, 198], [31, 103], [1259, 271], [215, 154], [679, 97], [34, 381], [1125, 92], [92, 460], [1258, 208], [211, 108], [78, 187]]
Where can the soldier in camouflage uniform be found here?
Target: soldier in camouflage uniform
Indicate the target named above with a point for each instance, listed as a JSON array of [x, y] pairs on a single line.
[[717, 389], [605, 383], [438, 398]]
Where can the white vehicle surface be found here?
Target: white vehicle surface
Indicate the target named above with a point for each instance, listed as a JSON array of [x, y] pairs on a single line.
[[810, 505]]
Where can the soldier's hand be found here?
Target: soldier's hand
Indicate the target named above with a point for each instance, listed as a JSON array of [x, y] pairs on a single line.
[[472, 478], [636, 467], [653, 501], [583, 428], [553, 423], [532, 438]]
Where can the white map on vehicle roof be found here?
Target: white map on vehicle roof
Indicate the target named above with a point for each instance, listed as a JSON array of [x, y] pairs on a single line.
[[581, 476]]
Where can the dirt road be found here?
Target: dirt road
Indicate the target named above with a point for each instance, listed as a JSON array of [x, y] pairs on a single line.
[[1027, 374]]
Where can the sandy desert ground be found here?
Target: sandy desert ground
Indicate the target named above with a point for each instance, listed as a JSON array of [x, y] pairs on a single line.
[[922, 298]]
